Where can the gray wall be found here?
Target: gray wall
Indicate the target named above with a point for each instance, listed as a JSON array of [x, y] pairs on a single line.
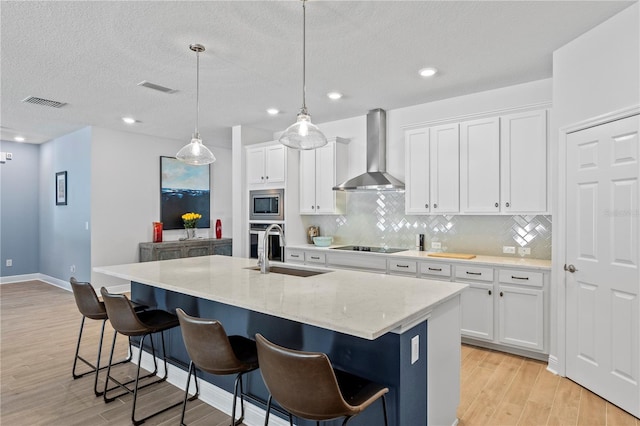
[[19, 211], [65, 240]]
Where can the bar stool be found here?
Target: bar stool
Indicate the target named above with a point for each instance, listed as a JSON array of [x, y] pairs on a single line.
[[91, 307], [127, 322], [212, 351], [306, 385]]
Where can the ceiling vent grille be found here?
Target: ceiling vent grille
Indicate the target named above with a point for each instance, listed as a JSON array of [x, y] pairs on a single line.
[[44, 102], [157, 87]]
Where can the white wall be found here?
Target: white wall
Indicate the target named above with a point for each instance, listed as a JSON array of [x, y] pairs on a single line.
[[125, 198], [595, 74]]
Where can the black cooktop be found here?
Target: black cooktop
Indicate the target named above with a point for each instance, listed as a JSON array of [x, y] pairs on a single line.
[[370, 249]]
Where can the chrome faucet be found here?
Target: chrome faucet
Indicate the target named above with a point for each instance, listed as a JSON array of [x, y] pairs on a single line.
[[263, 257]]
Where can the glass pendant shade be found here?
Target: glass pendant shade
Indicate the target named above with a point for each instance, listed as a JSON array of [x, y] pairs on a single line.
[[303, 134], [195, 153]]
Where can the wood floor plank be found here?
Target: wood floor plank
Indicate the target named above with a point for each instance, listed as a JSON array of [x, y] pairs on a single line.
[[566, 404], [510, 408], [618, 417], [593, 409]]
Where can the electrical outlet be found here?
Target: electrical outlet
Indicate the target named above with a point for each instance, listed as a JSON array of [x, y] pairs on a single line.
[[415, 349], [523, 251], [72, 268], [436, 244], [9, 156], [9, 262], [509, 249]]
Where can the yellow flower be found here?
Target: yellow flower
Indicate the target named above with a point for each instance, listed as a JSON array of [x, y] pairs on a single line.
[[190, 219]]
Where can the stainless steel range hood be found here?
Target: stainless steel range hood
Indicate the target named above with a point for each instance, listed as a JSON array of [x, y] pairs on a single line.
[[376, 178]]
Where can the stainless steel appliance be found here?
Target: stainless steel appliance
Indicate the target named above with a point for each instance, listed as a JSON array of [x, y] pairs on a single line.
[[369, 249], [276, 248], [266, 204]]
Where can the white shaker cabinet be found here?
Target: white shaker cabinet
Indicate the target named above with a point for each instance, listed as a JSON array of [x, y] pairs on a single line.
[[476, 302], [480, 166], [432, 161], [320, 170], [266, 165], [524, 162]]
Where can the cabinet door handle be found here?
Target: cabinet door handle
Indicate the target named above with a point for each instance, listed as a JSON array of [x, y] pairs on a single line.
[[506, 204], [401, 266], [489, 292], [435, 269], [513, 277], [474, 273], [435, 206], [318, 207], [497, 205], [267, 177], [315, 257], [426, 206], [261, 177], [313, 207], [501, 294]]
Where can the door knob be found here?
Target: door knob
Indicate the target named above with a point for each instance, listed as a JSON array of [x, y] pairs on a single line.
[[570, 268]]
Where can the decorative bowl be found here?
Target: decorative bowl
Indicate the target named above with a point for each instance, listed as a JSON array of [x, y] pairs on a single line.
[[322, 241]]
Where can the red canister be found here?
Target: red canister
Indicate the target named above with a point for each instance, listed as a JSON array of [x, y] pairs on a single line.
[[218, 229], [157, 232]]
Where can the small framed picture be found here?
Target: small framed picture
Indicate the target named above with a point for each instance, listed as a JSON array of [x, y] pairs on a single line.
[[61, 189]]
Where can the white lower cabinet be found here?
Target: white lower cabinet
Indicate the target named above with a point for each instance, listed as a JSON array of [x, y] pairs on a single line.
[[520, 317], [476, 306]]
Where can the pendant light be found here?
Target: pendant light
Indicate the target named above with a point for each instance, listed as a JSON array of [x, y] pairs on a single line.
[[195, 153], [303, 134]]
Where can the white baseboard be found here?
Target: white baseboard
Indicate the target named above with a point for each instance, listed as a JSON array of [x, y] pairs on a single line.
[[124, 288], [212, 395], [553, 365]]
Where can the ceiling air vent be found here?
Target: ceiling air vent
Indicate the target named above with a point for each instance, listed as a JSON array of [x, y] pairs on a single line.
[[153, 86], [44, 102]]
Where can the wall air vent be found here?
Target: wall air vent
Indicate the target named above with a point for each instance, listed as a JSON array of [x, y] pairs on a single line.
[[153, 86], [44, 102]]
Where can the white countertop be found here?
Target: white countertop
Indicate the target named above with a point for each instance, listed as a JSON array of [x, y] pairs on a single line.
[[361, 304], [522, 262]]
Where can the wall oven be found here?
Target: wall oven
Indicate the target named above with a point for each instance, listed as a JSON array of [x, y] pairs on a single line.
[[256, 235], [266, 204]]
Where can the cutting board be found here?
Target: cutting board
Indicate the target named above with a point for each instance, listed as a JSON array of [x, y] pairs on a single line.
[[453, 255]]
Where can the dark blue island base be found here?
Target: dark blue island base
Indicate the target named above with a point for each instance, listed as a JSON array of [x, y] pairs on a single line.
[[386, 360]]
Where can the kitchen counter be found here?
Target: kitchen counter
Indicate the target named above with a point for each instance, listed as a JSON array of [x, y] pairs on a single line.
[[397, 331], [360, 304], [520, 262]]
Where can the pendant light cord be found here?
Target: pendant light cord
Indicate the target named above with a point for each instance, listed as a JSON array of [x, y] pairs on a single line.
[[197, 92], [304, 57]]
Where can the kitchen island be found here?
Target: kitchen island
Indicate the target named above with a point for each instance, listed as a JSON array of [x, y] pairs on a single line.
[[398, 331]]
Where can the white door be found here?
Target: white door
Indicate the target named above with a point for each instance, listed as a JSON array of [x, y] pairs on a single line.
[[255, 166], [417, 171], [275, 163], [602, 294], [476, 307]]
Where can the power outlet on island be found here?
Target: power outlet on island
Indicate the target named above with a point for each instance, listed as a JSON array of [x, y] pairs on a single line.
[[415, 349], [9, 262]]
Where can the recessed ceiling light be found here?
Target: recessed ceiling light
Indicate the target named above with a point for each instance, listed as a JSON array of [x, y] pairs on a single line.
[[129, 120], [19, 139], [428, 72], [273, 111], [334, 95]]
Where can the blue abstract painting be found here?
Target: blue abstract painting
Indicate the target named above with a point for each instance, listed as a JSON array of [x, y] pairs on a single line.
[[183, 188]]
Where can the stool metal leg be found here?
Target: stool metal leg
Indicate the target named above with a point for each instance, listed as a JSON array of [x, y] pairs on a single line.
[[192, 369]]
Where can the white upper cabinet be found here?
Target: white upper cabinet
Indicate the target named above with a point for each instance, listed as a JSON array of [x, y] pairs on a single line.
[[320, 170], [432, 174], [524, 162], [266, 165], [480, 166]]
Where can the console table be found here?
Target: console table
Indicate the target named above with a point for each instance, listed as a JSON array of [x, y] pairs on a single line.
[[185, 248]]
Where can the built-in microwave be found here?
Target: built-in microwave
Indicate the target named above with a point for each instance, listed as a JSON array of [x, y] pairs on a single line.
[[266, 204]]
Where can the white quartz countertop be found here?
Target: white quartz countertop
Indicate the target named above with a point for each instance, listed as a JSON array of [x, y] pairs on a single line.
[[361, 304], [500, 261]]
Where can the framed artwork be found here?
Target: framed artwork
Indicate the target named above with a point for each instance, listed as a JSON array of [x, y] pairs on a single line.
[[183, 188], [61, 189]]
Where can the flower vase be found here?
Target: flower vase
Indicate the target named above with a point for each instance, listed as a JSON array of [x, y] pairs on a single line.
[[191, 233]]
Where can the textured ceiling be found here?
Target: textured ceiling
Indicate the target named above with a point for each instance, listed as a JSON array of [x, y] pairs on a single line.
[[92, 55]]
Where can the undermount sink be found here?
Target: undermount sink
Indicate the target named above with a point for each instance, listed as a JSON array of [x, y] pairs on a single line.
[[296, 272]]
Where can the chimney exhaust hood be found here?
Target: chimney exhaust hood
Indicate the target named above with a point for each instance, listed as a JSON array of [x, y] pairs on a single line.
[[376, 178]]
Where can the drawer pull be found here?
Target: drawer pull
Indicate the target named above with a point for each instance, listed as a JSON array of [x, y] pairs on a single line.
[[295, 255], [435, 269], [401, 266], [489, 292], [513, 277], [474, 273], [315, 257]]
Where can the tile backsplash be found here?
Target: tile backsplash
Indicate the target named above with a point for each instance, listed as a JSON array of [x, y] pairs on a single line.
[[378, 219]]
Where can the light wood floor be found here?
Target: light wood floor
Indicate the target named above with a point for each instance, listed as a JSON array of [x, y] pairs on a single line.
[[39, 326]]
